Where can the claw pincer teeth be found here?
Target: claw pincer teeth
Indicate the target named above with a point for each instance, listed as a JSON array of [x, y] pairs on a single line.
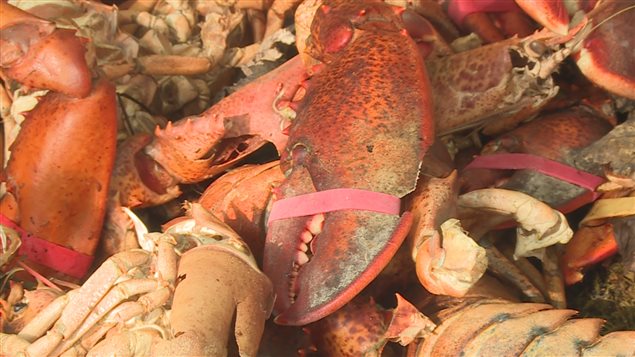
[[304, 250], [314, 226], [301, 258], [312, 229], [306, 238]]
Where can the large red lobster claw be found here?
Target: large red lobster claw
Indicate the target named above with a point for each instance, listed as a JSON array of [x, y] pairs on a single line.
[[365, 124], [47, 195]]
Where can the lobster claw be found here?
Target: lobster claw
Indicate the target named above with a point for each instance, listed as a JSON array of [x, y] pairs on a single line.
[[46, 194], [37, 54], [350, 249], [355, 149], [551, 14]]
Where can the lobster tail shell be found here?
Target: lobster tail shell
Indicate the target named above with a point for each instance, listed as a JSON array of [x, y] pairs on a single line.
[[499, 328]]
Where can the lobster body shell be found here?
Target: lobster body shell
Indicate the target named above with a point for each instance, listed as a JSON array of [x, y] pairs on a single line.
[[484, 85], [365, 123]]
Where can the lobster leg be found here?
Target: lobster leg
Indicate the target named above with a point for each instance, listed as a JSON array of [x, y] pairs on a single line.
[[149, 169]]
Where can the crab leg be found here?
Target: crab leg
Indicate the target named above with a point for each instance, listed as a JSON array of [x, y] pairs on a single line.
[[119, 315], [11, 344], [502, 267], [86, 298], [539, 225], [112, 299], [111, 309], [46, 318], [553, 279]]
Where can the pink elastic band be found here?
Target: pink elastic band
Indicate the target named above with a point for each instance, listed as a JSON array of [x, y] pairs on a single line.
[[334, 200], [548, 167], [458, 9], [54, 256]]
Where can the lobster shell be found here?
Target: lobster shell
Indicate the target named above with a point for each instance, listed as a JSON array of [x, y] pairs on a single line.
[[58, 174]]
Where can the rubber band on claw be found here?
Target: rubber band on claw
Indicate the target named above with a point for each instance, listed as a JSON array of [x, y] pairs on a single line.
[[334, 200], [532, 162], [57, 257]]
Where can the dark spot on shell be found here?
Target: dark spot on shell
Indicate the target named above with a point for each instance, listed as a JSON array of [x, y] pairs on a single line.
[[501, 317], [19, 307]]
